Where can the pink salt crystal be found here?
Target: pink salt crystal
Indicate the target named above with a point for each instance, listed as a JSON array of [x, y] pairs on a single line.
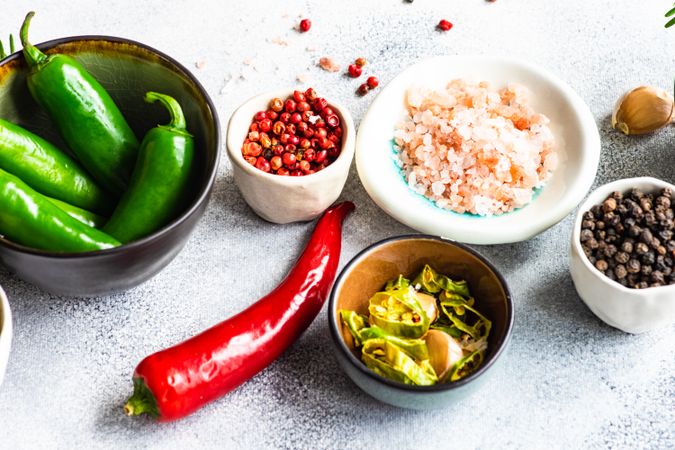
[[474, 149], [328, 64]]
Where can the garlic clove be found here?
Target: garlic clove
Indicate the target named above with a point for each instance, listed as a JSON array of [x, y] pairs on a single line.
[[444, 352], [643, 110], [428, 304]]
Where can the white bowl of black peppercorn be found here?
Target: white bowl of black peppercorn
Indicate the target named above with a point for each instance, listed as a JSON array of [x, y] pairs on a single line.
[[624, 270]]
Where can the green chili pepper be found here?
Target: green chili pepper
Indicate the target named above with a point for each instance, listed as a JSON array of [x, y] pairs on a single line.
[[354, 322], [398, 312], [85, 114], [30, 219], [158, 188], [3, 54], [388, 360], [467, 365], [48, 170], [477, 327], [416, 348], [433, 282], [84, 216]]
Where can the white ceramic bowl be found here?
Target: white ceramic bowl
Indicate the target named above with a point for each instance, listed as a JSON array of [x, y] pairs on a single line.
[[573, 125], [284, 199], [630, 310], [5, 333]]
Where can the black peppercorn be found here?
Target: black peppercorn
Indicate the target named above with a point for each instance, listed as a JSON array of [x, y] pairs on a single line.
[[646, 270], [601, 265], [633, 266], [648, 258], [645, 204], [622, 257], [597, 211], [641, 248], [630, 238], [646, 236], [636, 194], [657, 277], [610, 250], [585, 235], [588, 225], [621, 272]]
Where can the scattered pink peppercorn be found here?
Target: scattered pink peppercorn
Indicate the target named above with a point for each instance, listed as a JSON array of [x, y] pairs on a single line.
[[305, 25], [373, 82], [444, 25], [354, 70], [363, 89], [361, 62]]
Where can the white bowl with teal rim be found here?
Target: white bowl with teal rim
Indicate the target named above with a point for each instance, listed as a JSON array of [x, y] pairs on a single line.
[[572, 123], [5, 333]]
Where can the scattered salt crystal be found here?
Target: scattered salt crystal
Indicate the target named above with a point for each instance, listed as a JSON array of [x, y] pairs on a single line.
[[328, 64], [200, 64], [279, 41]]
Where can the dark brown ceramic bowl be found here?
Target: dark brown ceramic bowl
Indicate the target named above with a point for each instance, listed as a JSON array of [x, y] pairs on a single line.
[[367, 273], [127, 70]]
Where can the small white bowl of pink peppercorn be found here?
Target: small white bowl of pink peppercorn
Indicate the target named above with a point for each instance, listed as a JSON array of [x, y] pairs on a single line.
[[290, 151], [623, 254]]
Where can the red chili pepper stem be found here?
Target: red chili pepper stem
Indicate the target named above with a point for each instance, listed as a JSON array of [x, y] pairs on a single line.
[[177, 122], [32, 54], [142, 401], [175, 382]]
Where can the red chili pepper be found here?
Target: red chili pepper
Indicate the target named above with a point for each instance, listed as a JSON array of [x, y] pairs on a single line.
[[173, 383]]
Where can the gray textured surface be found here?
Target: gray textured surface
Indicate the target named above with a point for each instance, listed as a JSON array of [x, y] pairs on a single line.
[[568, 381]]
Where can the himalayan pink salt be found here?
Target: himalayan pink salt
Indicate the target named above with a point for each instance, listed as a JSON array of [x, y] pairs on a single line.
[[470, 148]]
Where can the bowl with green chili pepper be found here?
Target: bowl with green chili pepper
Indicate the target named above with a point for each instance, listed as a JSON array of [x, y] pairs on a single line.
[[419, 321], [133, 178]]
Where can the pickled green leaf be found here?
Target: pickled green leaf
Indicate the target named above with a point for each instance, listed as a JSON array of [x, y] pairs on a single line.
[[355, 323], [398, 283], [467, 365], [416, 348], [432, 282], [449, 329], [388, 360], [399, 312], [469, 321]]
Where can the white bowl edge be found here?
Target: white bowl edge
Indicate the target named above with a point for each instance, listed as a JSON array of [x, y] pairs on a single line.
[[5, 333], [484, 230]]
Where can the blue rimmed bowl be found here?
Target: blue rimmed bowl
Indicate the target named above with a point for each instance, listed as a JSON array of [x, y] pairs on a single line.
[[369, 270], [573, 126]]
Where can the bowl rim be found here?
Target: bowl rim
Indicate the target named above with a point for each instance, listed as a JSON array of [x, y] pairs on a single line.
[[576, 190], [346, 153], [5, 319], [202, 195], [342, 346], [603, 191]]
